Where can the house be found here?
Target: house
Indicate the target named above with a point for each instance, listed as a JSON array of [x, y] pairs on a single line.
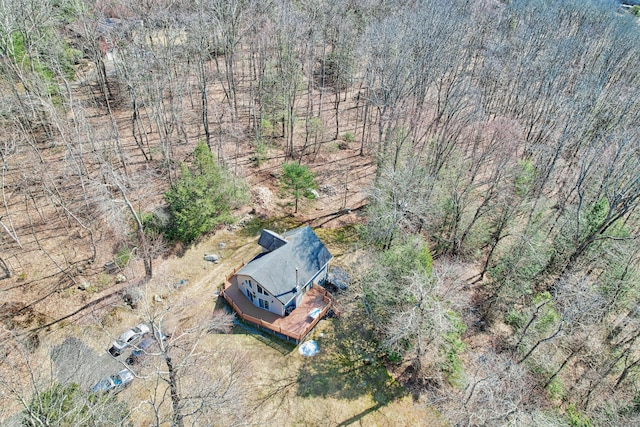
[[101, 34], [277, 279]]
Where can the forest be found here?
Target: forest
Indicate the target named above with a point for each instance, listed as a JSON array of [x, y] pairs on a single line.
[[477, 160]]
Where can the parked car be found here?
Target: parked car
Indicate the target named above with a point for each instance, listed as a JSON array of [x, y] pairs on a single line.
[[128, 338], [113, 383], [138, 354]]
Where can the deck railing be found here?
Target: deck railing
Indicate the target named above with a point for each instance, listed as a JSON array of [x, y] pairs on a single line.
[[297, 337]]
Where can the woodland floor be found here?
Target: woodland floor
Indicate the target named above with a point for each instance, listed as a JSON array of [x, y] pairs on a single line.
[[72, 328]]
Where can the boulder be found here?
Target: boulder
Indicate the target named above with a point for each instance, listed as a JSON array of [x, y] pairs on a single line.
[[212, 257], [328, 190], [132, 296]]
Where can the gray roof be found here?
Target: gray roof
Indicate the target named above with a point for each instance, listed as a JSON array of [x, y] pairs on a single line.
[[270, 240], [276, 270]]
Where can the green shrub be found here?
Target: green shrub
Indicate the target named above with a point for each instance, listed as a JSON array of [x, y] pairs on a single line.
[[123, 256], [515, 318], [68, 405], [408, 257], [455, 346], [54, 406], [577, 418], [153, 224], [348, 137], [525, 178], [549, 317], [556, 389], [267, 128], [395, 358], [103, 280]]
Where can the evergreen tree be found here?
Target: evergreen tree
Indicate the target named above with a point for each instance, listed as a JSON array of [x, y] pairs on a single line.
[[202, 198]]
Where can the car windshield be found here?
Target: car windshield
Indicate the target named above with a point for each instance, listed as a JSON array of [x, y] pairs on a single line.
[[125, 336], [136, 330], [116, 379], [120, 343]]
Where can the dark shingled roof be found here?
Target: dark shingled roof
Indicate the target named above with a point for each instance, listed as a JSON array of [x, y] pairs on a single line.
[[270, 240], [276, 270]]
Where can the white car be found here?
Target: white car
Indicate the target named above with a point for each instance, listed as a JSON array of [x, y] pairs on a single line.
[[113, 383], [128, 338]]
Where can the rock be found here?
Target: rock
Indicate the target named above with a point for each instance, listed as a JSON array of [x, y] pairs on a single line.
[[245, 220], [84, 285], [121, 278], [313, 192], [111, 267], [211, 257], [80, 269], [221, 245], [132, 296], [328, 190], [157, 298]]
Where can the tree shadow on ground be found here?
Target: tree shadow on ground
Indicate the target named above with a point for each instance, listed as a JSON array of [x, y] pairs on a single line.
[[347, 367]]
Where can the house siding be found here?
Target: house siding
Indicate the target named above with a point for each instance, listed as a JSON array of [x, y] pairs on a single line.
[[275, 306], [319, 278]]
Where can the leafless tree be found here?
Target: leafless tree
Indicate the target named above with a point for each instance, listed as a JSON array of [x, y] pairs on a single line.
[[193, 378], [425, 321], [498, 391]]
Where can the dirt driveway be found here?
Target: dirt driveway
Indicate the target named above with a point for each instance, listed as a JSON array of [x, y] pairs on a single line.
[[76, 362]]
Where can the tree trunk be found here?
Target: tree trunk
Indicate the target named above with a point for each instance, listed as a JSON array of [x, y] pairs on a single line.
[[177, 419], [564, 363]]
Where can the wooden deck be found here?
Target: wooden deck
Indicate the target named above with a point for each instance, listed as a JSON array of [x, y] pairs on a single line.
[[299, 321], [295, 326]]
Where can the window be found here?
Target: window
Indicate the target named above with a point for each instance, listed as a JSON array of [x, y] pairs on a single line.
[[263, 303], [260, 290]]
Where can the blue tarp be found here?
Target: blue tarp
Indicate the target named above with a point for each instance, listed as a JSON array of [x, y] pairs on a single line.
[[309, 348]]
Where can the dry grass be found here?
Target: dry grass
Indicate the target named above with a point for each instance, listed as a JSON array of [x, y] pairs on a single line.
[[338, 387]]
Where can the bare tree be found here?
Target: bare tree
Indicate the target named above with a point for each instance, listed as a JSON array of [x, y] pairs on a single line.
[[426, 323], [498, 391], [191, 377]]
